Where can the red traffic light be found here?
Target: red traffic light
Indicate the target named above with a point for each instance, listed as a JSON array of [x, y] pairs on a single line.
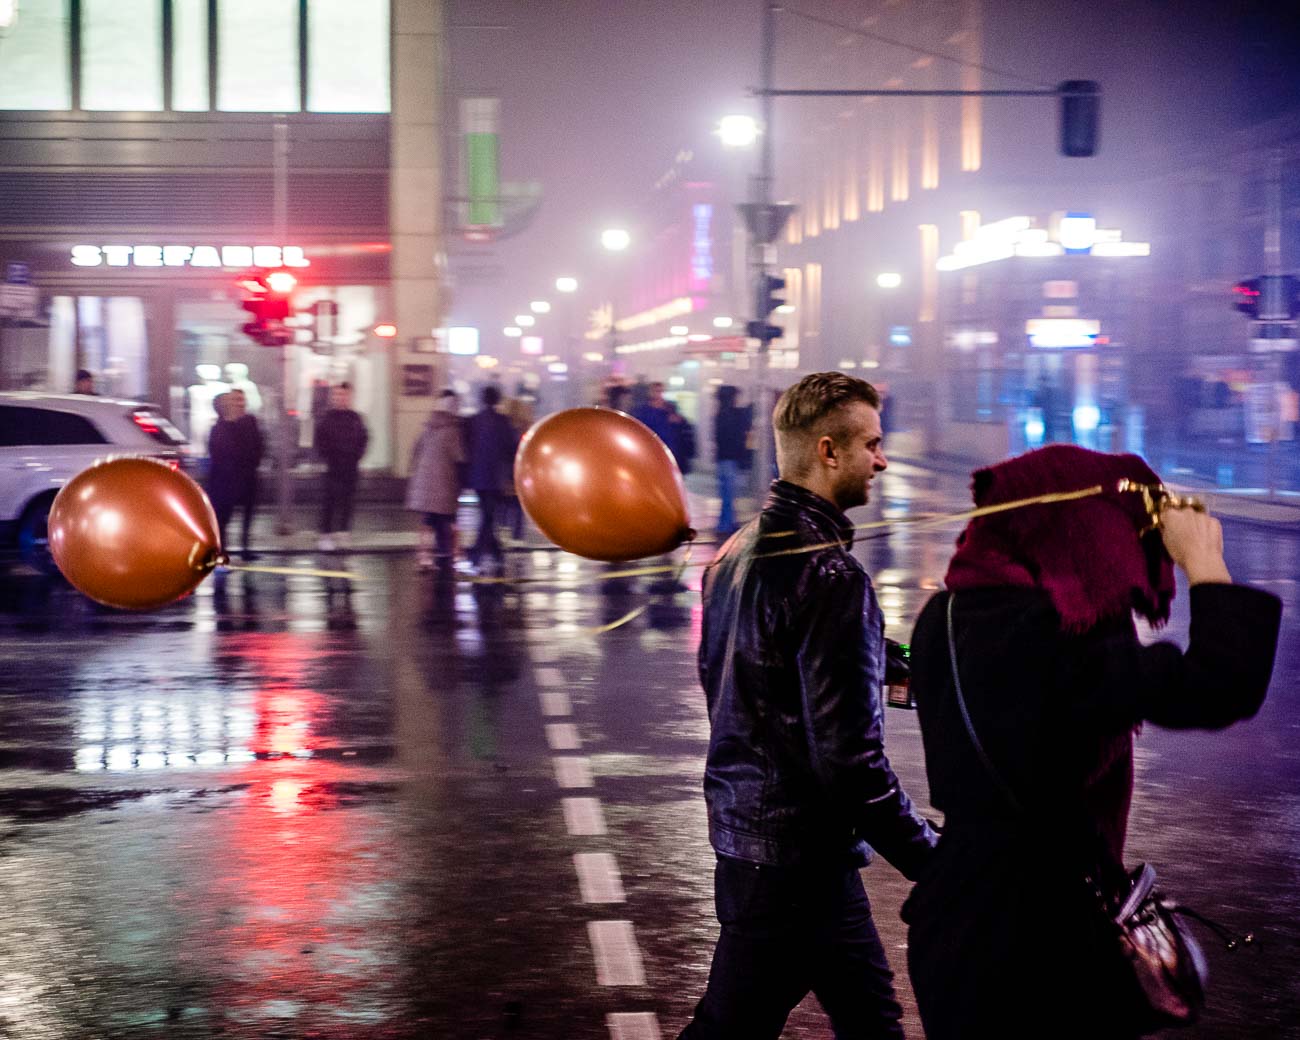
[[266, 297]]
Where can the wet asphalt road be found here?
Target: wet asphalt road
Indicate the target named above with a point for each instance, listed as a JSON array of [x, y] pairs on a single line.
[[399, 807]]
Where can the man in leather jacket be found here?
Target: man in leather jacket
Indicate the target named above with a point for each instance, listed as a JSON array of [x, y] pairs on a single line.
[[792, 660]]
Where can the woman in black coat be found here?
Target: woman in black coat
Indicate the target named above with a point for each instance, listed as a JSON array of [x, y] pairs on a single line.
[[1005, 936]]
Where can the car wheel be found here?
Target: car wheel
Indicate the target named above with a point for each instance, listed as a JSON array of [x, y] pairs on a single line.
[[34, 536]]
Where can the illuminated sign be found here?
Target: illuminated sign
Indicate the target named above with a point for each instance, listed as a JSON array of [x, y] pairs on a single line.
[[701, 246], [238, 257], [531, 345], [1059, 333], [1072, 233], [462, 340]]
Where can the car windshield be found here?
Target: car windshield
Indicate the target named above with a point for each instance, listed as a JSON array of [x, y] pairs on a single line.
[[156, 425]]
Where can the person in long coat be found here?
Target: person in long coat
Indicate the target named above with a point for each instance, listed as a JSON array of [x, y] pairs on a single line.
[[437, 463], [234, 453], [1006, 937]]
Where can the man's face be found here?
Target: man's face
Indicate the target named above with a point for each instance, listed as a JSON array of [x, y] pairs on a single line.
[[860, 452], [86, 385], [234, 404], [656, 394], [340, 397]]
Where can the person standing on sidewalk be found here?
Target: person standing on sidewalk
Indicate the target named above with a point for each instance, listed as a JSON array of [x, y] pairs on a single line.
[[234, 452], [341, 440], [491, 443], [792, 660], [731, 425], [434, 487]]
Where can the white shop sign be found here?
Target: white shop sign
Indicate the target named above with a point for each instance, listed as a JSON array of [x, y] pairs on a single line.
[[236, 257]]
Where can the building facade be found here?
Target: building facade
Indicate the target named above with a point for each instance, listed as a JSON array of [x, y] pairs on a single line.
[[157, 149]]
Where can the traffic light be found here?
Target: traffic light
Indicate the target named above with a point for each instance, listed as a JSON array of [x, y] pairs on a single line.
[[1080, 112], [768, 286], [267, 297], [1270, 297]]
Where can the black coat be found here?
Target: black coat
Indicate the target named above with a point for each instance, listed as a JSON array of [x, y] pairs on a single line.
[[792, 659], [234, 453], [1055, 713], [341, 439]]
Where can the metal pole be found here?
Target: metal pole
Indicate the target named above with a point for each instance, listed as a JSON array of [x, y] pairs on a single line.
[[1273, 268], [288, 441], [763, 254]]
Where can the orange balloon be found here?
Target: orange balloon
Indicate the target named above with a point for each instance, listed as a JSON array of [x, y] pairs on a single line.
[[133, 533], [601, 484]]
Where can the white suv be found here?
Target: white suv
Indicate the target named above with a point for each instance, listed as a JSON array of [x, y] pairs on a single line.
[[47, 439]]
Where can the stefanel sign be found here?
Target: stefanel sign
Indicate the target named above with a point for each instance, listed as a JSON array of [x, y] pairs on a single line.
[[234, 257]]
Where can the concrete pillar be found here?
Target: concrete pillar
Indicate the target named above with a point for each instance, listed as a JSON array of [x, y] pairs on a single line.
[[415, 212]]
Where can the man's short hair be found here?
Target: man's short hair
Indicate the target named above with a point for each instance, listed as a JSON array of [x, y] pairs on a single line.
[[490, 396], [83, 373], [343, 386], [810, 408]]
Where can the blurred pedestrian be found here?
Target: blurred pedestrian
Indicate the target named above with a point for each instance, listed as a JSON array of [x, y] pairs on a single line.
[[490, 444], [656, 414], [434, 487], [731, 426], [85, 382], [341, 439], [682, 443], [792, 661], [521, 410], [1030, 682], [235, 449]]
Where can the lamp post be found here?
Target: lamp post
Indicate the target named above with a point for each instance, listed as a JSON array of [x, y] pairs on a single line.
[[566, 287], [614, 240]]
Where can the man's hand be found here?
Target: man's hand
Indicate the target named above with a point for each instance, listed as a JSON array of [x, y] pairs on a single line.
[[1194, 540], [898, 669]]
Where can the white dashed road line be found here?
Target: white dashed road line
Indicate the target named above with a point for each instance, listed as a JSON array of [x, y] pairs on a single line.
[[618, 961], [598, 879], [573, 772], [555, 703], [584, 817], [549, 677], [635, 1025], [562, 736]]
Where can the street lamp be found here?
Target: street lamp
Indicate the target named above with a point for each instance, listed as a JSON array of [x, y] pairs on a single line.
[[513, 331], [540, 307], [525, 321], [737, 131], [889, 279], [566, 285], [615, 240]]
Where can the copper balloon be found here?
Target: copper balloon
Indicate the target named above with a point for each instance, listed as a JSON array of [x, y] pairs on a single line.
[[601, 484], [133, 533]]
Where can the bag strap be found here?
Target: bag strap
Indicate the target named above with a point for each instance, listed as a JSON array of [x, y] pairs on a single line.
[[987, 762]]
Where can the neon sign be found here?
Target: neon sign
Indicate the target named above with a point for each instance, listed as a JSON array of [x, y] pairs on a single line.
[[701, 246], [237, 257]]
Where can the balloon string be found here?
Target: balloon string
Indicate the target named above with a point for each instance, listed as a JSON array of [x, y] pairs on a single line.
[[678, 570], [305, 572]]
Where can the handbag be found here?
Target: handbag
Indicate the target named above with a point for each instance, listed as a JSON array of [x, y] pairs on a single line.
[[1158, 964]]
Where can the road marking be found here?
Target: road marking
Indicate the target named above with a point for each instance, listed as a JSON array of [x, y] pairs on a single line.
[[573, 772], [583, 817], [632, 1025], [618, 961], [544, 653], [562, 736], [549, 677], [598, 879], [555, 702]]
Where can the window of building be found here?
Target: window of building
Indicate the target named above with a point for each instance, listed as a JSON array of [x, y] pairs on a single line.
[[121, 55], [347, 56], [190, 55], [34, 52], [257, 56]]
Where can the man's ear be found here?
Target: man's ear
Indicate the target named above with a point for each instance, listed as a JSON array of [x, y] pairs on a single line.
[[826, 453]]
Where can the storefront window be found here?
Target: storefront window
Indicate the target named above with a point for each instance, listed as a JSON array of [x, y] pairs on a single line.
[[34, 58], [347, 56], [257, 56], [190, 55], [121, 55]]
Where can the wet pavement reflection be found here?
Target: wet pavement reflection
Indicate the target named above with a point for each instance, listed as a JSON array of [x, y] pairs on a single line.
[[305, 806]]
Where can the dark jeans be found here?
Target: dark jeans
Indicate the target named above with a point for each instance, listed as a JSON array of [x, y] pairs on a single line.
[[486, 544], [443, 526], [336, 505], [225, 510], [788, 931]]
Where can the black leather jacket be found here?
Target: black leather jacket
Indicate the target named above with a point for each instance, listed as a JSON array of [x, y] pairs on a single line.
[[792, 660]]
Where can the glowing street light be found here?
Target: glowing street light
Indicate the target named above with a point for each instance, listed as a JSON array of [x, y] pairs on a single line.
[[615, 239], [526, 321], [513, 331], [738, 131], [889, 279], [678, 330], [540, 307], [566, 285], [722, 322]]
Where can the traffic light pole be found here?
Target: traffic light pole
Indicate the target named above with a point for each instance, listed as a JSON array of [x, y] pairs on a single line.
[[286, 439]]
